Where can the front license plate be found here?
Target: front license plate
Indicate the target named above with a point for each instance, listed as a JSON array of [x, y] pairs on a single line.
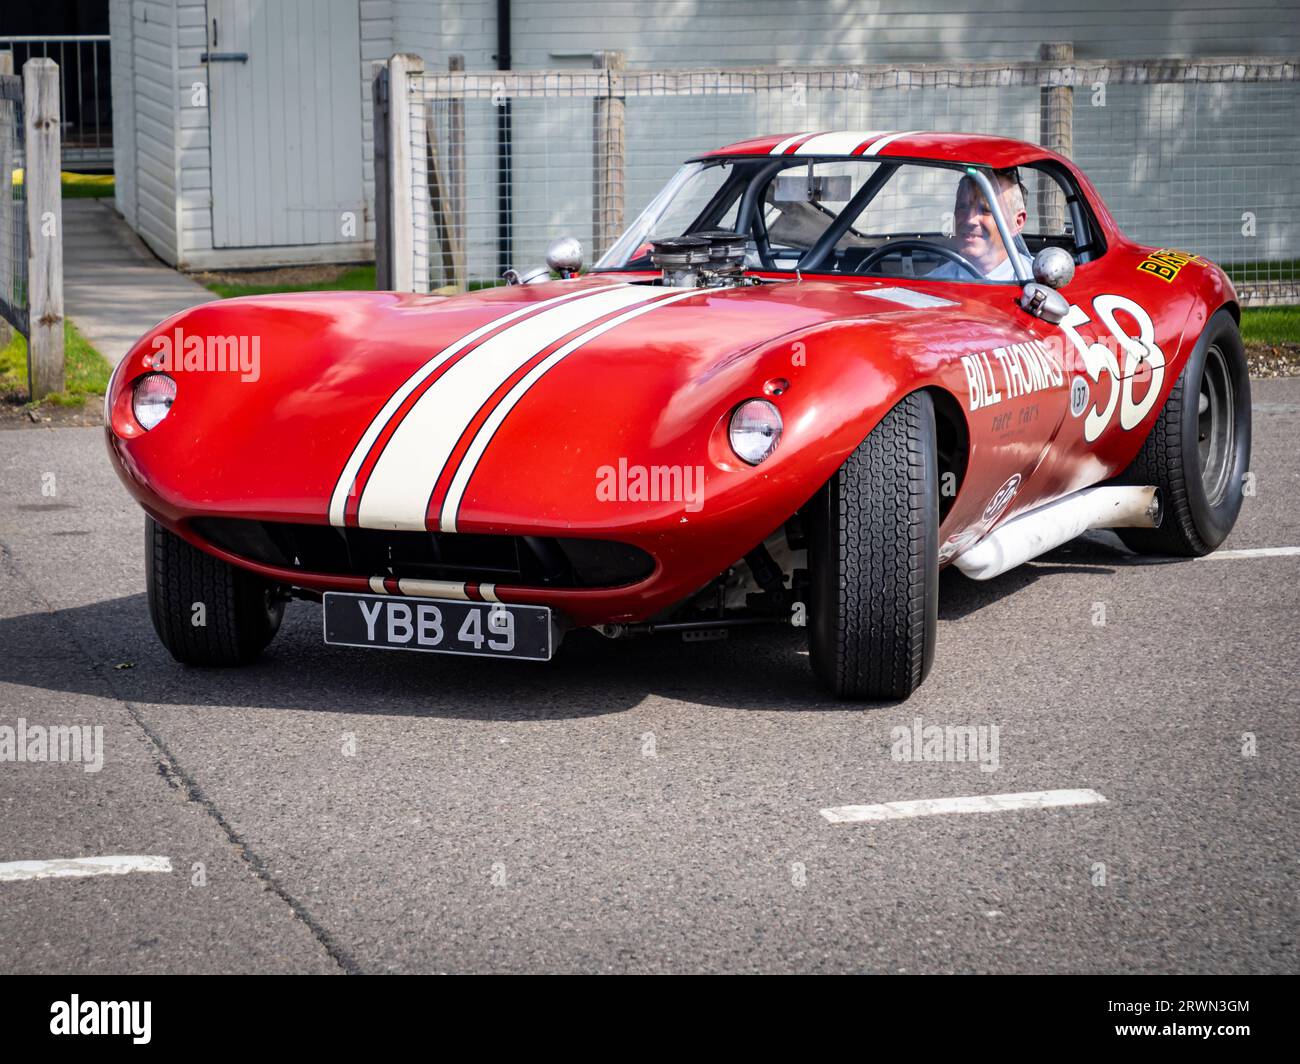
[[439, 626]]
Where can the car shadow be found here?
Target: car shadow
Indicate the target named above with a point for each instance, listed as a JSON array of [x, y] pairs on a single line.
[[109, 648]]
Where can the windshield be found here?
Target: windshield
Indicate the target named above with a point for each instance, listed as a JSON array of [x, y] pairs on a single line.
[[860, 216]]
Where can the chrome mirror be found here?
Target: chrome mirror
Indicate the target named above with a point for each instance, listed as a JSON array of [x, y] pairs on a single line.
[[537, 276], [1043, 302], [1054, 267], [564, 255]]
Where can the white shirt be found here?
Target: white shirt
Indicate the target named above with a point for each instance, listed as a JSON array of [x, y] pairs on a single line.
[[950, 271]]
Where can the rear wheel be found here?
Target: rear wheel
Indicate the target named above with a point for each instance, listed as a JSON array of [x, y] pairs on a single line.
[[1199, 449], [205, 611], [874, 560]]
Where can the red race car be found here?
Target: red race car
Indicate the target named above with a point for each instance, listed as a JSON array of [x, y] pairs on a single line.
[[815, 370]]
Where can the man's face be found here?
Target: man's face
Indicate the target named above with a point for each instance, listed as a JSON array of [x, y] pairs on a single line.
[[975, 230]]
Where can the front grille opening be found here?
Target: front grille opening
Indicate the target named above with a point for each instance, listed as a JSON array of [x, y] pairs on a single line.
[[524, 561]]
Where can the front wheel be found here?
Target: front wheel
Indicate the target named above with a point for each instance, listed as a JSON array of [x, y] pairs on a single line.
[[206, 611], [1199, 449], [873, 558]]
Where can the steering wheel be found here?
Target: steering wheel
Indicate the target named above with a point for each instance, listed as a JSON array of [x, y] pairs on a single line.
[[941, 250]]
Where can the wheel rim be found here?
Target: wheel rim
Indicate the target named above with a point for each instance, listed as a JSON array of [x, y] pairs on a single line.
[[1215, 428]]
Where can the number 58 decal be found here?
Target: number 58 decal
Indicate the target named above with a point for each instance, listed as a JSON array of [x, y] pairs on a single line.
[[1098, 358]]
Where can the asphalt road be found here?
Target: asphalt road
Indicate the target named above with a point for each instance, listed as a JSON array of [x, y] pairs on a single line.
[[656, 806]]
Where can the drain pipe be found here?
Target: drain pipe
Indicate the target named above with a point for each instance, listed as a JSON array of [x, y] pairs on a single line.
[[1048, 527]]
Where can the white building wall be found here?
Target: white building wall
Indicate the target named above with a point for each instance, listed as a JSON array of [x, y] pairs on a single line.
[[809, 32], [162, 151], [376, 46], [552, 187], [194, 201], [149, 28], [123, 88]]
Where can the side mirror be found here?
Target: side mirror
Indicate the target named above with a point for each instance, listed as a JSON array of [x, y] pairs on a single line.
[[536, 276], [564, 255], [1054, 267], [1043, 302]]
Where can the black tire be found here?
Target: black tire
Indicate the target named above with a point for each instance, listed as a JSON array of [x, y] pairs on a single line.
[[1198, 457], [873, 559], [241, 611]]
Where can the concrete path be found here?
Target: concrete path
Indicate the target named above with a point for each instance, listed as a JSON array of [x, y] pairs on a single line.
[[114, 289]]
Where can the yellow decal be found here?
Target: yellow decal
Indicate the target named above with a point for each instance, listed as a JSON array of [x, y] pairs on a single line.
[[1166, 263]]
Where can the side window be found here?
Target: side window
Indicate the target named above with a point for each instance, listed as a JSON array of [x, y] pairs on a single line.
[[1058, 214]]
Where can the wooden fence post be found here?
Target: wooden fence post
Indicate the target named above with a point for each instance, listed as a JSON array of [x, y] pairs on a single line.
[[608, 155], [383, 170], [456, 164], [41, 189], [440, 174], [408, 208], [1056, 131]]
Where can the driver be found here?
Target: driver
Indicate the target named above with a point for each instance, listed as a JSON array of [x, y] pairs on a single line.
[[975, 232]]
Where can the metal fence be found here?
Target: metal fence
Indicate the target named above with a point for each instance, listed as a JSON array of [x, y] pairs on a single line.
[[85, 92], [13, 228], [488, 167]]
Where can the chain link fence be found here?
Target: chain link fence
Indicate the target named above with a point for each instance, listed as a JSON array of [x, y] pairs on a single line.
[[1201, 155], [13, 229]]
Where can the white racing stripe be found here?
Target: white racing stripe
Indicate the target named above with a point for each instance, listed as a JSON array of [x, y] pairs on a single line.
[[1251, 552], [447, 516], [980, 803], [67, 868], [339, 499], [884, 142], [781, 148], [838, 143], [397, 493]]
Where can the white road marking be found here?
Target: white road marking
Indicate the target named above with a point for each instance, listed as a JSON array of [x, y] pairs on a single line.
[[14, 871], [979, 803], [1252, 552]]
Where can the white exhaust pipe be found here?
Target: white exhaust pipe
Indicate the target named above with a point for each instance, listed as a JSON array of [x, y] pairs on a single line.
[[1046, 528]]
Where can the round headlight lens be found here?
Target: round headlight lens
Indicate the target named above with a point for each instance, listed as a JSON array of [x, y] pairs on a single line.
[[153, 398], [755, 430]]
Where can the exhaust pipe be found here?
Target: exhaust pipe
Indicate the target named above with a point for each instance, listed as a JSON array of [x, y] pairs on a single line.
[[1034, 533]]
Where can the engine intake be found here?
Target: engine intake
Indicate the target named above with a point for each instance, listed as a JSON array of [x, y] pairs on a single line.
[[712, 259]]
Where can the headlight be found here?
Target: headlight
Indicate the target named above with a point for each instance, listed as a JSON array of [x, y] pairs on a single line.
[[152, 399], [755, 430]]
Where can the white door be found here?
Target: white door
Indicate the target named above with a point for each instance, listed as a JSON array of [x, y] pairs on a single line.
[[284, 98]]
